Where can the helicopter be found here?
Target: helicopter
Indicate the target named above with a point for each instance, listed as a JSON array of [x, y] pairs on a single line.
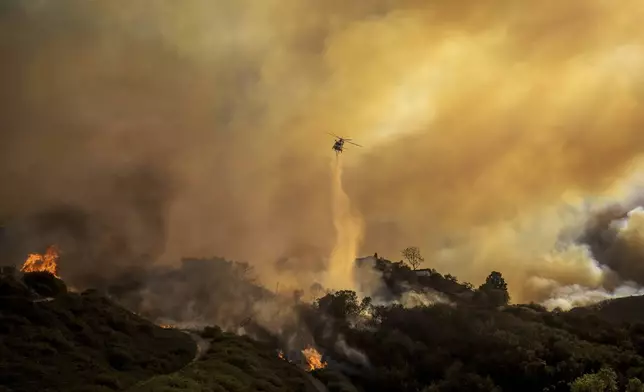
[[338, 146]]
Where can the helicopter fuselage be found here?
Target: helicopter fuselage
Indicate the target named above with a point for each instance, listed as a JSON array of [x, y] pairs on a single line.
[[337, 146]]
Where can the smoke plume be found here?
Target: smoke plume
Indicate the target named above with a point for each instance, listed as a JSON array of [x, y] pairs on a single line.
[[489, 127]]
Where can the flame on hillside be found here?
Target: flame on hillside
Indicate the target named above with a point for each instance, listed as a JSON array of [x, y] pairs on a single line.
[[313, 358], [47, 262], [167, 326], [280, 355]]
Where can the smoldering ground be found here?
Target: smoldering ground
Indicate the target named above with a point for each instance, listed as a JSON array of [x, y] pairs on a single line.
[[478, 120]]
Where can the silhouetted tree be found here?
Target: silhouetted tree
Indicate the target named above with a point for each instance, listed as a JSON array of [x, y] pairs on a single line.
[[413, 256], [340, 305], [494, 291], [365, 304], [495, 281]]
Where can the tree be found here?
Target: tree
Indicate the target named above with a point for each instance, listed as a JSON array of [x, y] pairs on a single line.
[[451, 278], [413, 257], [494, 281], [340, 305], [365, 304], [635, 385], [605, 380], [495, 290]]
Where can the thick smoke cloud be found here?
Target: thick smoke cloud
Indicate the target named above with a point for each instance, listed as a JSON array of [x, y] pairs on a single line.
[[616, 238], [479, 120]]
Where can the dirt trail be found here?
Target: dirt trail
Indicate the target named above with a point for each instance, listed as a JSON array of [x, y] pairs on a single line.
[[202, 345]]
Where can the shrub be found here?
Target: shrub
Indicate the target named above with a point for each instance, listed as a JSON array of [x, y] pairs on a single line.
[[211, 332], [44, 284]]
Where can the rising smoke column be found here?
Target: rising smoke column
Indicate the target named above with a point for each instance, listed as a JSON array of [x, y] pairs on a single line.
[[349, 230]]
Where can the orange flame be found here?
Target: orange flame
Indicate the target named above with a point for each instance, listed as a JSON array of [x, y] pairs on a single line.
[[280, 354], [167, 326], [313, 358], [48, 262]]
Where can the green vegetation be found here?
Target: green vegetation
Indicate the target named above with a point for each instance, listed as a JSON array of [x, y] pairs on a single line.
[[233, 364], [482, 344], [605, 380], [463, 339], [78, 342]]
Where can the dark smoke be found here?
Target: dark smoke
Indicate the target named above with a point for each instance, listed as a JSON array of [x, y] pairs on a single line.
[[121, 227], [611, 234]]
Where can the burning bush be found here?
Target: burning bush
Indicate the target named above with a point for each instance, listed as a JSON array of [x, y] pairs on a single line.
[[313, 358], [44, 283], [47, 262]]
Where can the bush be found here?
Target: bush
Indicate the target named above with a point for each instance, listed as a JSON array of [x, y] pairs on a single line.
[[603, 381], [44, 284], [10, 287], [211, 332]]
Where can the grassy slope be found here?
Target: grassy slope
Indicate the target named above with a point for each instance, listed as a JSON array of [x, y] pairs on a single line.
[[81, 343], [233, 364]]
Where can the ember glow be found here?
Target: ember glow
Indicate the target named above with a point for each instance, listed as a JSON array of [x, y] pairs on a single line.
[[280, 355], [313, 358], [167, 326], [48, 262]]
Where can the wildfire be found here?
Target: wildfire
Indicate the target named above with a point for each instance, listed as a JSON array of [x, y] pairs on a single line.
[[167, 326], [313, 358], [280, 355], [48, 262]]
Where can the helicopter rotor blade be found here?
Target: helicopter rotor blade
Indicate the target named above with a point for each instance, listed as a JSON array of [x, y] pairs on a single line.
[[355, 144], [333, 134]]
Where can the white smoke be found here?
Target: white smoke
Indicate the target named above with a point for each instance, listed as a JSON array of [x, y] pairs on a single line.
[[568, 297]]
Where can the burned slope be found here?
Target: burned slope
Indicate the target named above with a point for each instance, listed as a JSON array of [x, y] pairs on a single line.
[[79, 342]]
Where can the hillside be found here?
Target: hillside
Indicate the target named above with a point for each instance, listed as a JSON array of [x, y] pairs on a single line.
[[233, 364], [78, 342], [617, 310], [463, 339]]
